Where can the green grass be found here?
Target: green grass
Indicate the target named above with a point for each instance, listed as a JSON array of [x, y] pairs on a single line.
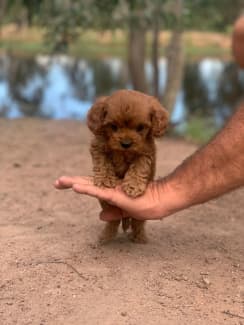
[[81, 48], [89, 47], [28, 48], [200, 52], [200, 130]]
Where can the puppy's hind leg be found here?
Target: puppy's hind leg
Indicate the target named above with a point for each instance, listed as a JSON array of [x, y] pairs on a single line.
[[138, 234], [125, 224], [109, 232], [111, 228]]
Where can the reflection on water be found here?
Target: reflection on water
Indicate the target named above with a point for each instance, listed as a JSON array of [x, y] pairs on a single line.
[[63, 87]]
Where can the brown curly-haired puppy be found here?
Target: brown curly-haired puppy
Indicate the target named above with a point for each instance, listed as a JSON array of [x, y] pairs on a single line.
[[123, 150]]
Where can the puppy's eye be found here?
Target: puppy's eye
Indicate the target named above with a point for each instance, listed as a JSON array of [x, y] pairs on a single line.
[[140, 127], [114, 127]]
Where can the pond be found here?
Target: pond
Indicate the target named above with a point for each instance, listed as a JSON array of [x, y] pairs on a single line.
[[62, 87]]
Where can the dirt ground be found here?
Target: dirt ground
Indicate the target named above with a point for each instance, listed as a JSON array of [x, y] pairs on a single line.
[[53, 272]]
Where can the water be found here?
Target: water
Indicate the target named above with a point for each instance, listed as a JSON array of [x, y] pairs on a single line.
[[62, 87]]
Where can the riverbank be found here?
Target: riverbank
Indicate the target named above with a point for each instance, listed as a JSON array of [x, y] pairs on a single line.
[[91, 44]]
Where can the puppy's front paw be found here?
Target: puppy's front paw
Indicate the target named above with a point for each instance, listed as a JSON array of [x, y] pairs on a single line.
[[108, 181], [133, 188]]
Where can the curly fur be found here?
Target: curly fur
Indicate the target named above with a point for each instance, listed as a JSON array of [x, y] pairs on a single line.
[[123, 149]]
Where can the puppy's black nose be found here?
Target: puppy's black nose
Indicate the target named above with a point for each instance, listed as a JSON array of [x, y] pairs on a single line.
[[126, 143]]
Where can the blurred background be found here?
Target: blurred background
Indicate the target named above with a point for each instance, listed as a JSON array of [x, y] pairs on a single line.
[[57, 56]]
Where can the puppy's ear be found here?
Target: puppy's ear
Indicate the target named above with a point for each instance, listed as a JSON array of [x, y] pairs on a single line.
[[96, 115], [159, 117]]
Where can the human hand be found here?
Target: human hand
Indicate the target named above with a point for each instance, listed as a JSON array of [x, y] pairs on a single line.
[[157, 202]]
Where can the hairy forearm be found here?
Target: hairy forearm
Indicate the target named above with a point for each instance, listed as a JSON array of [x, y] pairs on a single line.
[[214, 169]]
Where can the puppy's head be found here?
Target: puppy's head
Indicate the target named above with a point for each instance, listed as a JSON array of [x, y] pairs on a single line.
[[127, 119]]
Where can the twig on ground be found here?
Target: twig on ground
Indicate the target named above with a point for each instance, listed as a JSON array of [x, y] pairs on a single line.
[[227, 312], [67, 264]]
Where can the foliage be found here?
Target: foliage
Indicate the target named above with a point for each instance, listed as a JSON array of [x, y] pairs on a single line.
[[199, 129], [64, 19], [18, 9], [199, 14], [215, 15]]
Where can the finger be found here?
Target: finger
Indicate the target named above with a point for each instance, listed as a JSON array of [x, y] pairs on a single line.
[[58, 184], [89, 188], [65, 182], [113, 196]]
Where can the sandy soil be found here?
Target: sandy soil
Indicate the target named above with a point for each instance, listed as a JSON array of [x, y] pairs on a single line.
[[53, 272]]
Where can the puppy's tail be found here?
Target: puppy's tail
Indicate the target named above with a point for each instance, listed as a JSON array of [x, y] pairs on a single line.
[[125, 224]]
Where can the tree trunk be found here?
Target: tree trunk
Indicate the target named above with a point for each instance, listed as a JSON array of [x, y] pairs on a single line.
[[136, 57], [175, 61], [29, 18], [3, 4], [155, 56]]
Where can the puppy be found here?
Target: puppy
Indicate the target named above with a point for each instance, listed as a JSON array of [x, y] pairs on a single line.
[[123, 149]]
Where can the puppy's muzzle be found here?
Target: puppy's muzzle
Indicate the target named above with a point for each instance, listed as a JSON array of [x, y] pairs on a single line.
[[126, 143]]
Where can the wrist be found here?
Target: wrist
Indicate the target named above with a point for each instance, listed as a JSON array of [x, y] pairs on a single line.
[[172, 198]]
